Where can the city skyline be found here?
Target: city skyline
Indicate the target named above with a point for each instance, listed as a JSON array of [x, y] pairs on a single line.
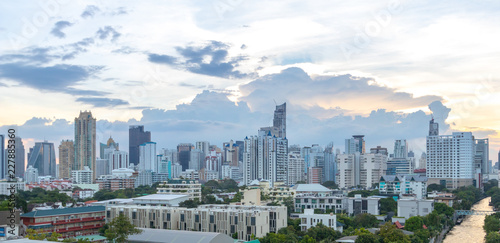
[[226, 67]]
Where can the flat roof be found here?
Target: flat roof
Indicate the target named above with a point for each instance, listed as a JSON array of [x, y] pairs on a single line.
[[311, 188], [161, 196], [179, 236], [63, 211]]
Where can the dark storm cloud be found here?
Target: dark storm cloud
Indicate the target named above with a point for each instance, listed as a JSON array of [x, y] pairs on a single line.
[[211, 59], [58, 27], [57, 78]]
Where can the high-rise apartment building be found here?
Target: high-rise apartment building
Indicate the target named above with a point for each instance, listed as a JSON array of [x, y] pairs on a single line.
[[184, 151], [31, 175], [136, 137], [85, 142], [265, 157], [109, 144], [43, 157], [330, 168], [19, 159], [279, 123], [481, 156], [400, 149], [360, 169], [400, 163], [66, 158], [379, 150], [450, 159], [433, 128], [3, 161], [355, 144], [295, 168], [196, 159], [231, 153], [204, 146], [147, 157]]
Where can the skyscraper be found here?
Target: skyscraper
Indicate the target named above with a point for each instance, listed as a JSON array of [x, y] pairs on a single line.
[[66, 158], [295, 168], [379, 150], [184, 150], [265, 157], [279, 123], [355, 144], [43, 157], [400, 149], [360, 169], [450, 159], [20, 159], [3, 161], [204, 146], [109, 144], [136, 137], [85, 142], [482, 159], [330, 169], [147, 157], [279, 120]]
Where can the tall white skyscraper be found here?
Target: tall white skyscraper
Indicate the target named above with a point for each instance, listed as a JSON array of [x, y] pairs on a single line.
[[31, 175], [482, 158], [400, 149], [265, 157], [203, 146], [355, 144], [450, 159], [147, 156]]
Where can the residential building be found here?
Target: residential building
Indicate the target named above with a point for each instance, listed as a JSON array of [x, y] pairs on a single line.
[[185, 187], [114, 183], [356, 144], [66, 158], [82, 176], [203, 146], [405, 184], [244, 221], [362, 170], [110, 144], [279, 123], [314, 175], [379, 150], [482, 159], [102, 167], [147, 156], [309, 219], [69, 222], [312, 189], [265, 157], [450, 159], [43, 157], [230, 154], [295, 168], [6, 187], [85, 142], [207, 175], [119, 159], [281, 192], [136, 137], [325, 203], [184, 151], [357, 205], [19, 159], [330, 168], [409, 207], [3, 161], [31, 175]]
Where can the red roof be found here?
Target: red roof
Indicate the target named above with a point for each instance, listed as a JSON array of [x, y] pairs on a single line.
[[419, 171], [398, 225]]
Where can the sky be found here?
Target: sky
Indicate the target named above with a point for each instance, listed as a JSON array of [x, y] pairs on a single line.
[[214, 70]]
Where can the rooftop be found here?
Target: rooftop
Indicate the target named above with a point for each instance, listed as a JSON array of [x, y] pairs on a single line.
[[311, 188], [64, 211], [179, 236], [161, 197]]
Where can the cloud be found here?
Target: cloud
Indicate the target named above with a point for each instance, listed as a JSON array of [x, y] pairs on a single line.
[[102, 102], [56, 78], [125, 50], [90, 11], [211, 59], [58, 27], [358, 94], [108, 31]]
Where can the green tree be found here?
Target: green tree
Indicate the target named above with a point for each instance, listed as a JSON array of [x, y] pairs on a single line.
[[289, 204], [367, 238], [321, 232], [423, 236], [308, 239], [390, 233], [491, 224], [388, 205], [442, 208], [490, 184], [120, 228], [365, 220], [493, 237], [436, 187], [330, 184], [190, 203], [414, 223]]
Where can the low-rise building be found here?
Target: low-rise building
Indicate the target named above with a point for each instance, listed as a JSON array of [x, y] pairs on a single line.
[[84, 193], [409, 207], [114, 183], [11, 187], [245, 221], [312, 189], [281, 192], [178, 186], [69, 222], [309, 219], [442, 197], [358, 204], [403, 184], [84, 176], [159, 235], [325, 203]]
